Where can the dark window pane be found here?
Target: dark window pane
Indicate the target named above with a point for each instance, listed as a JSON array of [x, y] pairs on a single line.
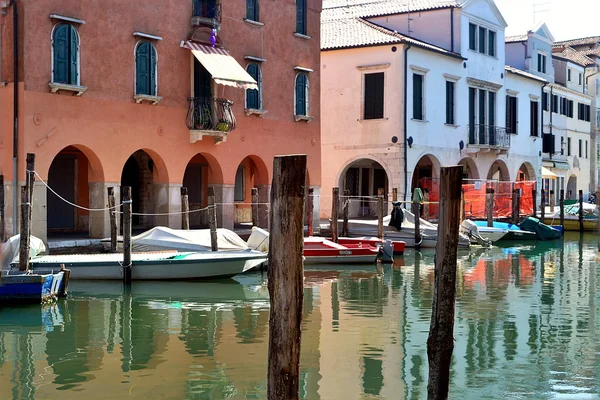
[[492, 43], [301, 16], [418, 96], [482, 38], [450, 102], [472, 36], [252, 10], [301, 94], [253, 99], [374, 96]]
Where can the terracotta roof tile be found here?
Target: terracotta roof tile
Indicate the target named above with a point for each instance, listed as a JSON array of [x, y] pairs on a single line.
[[579, 42], [574, 56], [516, 38], [334, 9], [524, 74]]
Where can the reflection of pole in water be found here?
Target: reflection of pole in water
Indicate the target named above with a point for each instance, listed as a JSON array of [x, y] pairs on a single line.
[[126, 343], [23, 368]]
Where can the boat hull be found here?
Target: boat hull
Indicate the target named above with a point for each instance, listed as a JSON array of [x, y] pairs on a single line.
[[493, 234], [573, 224], [18, 286], [176, 266], [340, 256]]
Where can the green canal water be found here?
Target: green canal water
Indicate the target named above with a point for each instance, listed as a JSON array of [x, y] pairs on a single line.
[[527, 327]]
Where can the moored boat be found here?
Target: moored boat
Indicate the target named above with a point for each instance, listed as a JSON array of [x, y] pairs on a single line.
[[28, 286], [322, 251], [513, 232]]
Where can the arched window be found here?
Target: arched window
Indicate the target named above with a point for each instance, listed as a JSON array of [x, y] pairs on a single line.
[[301, 94], [145, 69], [254, 96], [252, 10], [65, 55]]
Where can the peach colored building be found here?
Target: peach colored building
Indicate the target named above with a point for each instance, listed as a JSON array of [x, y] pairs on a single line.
[[145, 94]]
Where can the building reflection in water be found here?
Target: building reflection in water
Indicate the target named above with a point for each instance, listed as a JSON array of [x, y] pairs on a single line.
[[525, 326]]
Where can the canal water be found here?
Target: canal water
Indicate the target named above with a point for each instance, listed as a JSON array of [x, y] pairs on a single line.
[[527, 327]]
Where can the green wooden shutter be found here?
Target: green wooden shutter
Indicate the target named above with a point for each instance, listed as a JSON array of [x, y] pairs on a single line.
[[152, 67], [301, 82], [472, 36], [252, 10], [73, 56], [472, 115], [450, 103], [301, 17], [253, 95], [142, 73], [417, 96], [374, 96], [60, 45]]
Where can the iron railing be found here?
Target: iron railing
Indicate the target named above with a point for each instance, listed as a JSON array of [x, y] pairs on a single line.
[[206, 114], [488, 136]]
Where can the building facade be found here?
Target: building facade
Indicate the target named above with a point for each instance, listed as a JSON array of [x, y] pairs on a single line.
[[156, 96], [416, 98]]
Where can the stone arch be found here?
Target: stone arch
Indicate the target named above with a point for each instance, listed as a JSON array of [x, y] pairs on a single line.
[[470, 170], [571, 192], [203, 170], [526, 172], [362, 177], [251, 173], [498, 171], [428, 166], [352, 160], [77, 176]]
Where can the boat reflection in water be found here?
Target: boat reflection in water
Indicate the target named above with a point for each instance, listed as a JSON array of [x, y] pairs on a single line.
[[525, 327]]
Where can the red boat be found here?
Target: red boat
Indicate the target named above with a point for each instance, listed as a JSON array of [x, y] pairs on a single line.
[[322, 251], [397, 245]]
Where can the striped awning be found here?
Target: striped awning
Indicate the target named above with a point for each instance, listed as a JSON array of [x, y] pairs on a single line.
[[547, 174], [223, 68]]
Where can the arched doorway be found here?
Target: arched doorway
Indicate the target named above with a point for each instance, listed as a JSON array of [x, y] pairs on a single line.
[[526, 172], [572, 187], [143, 172], [426, 173], [470, 171], [202, 170], [251, 173], [72, 173], [498, 171], [362, 179]]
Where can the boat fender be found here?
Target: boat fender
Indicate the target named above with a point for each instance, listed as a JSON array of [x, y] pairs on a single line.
[[387, 251]]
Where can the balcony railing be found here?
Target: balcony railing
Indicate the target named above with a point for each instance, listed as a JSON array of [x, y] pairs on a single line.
[[488, 136], [206, 12], [206, 114]]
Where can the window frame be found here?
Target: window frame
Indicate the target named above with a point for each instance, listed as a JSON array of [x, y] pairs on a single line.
[[491, 50], [482, 39], [569, 74], [364, 96], [256, 16], [304, 22], [306, 93], [473, 36], [135, 72], [568, 146], [259, 90], [510, 100], [580, 148], [241, 169], [422, 99], [542, 61], [534, 108], [451, 109], [52, 33]]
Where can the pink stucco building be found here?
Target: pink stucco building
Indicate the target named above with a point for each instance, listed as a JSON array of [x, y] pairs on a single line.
[[156, 95]]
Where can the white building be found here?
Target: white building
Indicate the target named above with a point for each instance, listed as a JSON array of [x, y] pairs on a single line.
[[401, 99]]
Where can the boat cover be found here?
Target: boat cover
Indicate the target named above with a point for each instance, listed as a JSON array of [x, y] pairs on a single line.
[[10, 249], [163, 238], [543, 231]]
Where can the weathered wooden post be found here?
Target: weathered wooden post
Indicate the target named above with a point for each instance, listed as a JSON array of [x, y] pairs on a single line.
[[380, 213], [112, 212], [311, 210], [580, 210], [395, 194], [185, 209], [534, 201], [286, 276], [24, 235], [440, 342], [345, 213], [489, 206], [30, 180], [543, 206], [562, 210], [552, 201], [127, 234], [2, 222], [417, 210], [462, 205], [335, 204], [212, 218], [426, 205], [598, 213], [254, 206], [516, 206]]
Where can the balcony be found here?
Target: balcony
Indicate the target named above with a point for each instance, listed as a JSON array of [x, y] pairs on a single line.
[[207, 13], [488, 137], [210, 117]]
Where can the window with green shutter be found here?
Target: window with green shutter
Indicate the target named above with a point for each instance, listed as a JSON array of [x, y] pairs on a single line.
[[252, 10], [472, 37], [374, 96], [301, 17], [418, 96], [492, 43], [450, 102], [65, 47], [301, 107], [145, 69], [482, 38], [253, 96]]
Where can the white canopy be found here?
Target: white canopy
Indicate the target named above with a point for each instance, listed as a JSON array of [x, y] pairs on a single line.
[[163, 238]]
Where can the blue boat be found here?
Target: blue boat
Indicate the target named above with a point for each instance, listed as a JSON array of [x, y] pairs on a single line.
[[515, 234], [27, 286]]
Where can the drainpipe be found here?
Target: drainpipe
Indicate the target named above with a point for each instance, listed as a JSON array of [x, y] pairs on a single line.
[[452, 29], [13, 3], [406, 120]]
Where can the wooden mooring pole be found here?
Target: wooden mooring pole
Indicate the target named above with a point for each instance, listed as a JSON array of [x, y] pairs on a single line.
[[310, 203], [552, 201], [30, 180], [254, 206], [127, 225], [380, 213], [185, 209], [580, 210], [543, 205], [426, 205], [534, 201], [335, 205], [286, 276], [24, 238], [489, 206], [112, 212], [345, 213], [440, 342], [562, 210], [212, 218], [516, 205], [462, 205], [2, 222], [395, 194], [417, 211]]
